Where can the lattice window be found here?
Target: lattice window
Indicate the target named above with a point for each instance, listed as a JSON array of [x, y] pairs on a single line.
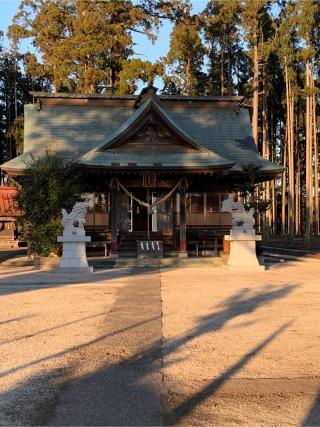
[[149, 179]]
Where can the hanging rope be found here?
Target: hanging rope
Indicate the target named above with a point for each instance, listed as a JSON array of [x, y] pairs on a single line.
[[145, 204]]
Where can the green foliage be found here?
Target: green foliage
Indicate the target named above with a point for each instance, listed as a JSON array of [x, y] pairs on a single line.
[[84, 44], [220, 20], [14, 93], [135, 71], [45, 237], [15, 131], [49, 185], [250, 192], [186, 55]]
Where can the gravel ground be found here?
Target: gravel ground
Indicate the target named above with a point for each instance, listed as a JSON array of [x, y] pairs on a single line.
[[43, 327], [212, 346], [242, 349]]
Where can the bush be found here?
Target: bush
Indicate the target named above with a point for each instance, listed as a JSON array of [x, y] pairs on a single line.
[[49, 184], [45, 238]]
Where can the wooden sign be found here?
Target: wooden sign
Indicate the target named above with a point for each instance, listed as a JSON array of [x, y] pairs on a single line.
[[149, 249]]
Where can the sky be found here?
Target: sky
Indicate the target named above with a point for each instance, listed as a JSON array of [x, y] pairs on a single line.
[[144, 49]]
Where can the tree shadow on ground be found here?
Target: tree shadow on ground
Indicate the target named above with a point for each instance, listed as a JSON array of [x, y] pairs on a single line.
[[125, 385], [313, 417], [11, 283], [16, 319], [124, 393], [53, 328], [183, 409], [240, 303]]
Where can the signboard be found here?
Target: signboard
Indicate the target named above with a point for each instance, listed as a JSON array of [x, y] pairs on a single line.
[[149, 249]]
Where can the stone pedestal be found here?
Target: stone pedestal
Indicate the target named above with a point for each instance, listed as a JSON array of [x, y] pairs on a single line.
[[74, 258], [243, 250], [183, 254]]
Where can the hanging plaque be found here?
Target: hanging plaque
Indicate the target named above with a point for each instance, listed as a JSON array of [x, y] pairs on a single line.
[[149, 179]]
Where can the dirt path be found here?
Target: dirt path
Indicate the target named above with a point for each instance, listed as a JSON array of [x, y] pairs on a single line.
[[119, 381]]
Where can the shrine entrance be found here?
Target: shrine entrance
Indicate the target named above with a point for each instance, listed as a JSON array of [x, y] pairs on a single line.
[[135, 217], [138, 213], [158, 220]]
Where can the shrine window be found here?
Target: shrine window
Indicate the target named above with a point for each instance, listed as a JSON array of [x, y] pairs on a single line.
[[98, 209], [89, 199], [197, 203], [100, 202], [213, 202]]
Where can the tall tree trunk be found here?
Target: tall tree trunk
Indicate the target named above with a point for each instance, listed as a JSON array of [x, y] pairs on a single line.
[[316, 158], [273, 225], [309, 180], [298, 198], [230, 83], [290, 145], [273, 189], [255, 99], [284, 191], [188, 77], [212, 60], [222, 71], [265, 153]]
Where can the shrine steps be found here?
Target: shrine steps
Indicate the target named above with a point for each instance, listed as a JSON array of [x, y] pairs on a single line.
[[157, 263]]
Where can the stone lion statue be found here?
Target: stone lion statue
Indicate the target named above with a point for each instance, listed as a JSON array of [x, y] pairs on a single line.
[[241, 219], [76, 218]]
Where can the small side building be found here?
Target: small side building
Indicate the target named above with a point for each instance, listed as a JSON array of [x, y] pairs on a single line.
[[9, 213], [157, 167]]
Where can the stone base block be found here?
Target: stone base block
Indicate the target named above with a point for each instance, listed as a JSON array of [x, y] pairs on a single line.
[[47, 263], [245, 268], [243, 252], [114, 255], [73, 270], [183, 254]]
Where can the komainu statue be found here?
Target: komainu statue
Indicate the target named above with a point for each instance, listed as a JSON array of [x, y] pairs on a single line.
[[76, 218], [242, 220]]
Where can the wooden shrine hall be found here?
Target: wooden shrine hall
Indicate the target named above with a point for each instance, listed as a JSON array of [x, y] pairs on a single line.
[[157, 167]]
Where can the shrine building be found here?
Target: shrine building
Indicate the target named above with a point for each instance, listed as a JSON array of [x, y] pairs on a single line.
[[157, 167]]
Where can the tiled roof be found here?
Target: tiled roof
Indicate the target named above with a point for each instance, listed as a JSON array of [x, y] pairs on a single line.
[[8, 204], [146, 160], [135, 97], [227, 132], [135, 117], [81, 95], [76, 130]]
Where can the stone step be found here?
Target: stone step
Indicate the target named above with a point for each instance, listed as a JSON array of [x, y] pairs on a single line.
[[282, 257], [313, 252], [132, 262]]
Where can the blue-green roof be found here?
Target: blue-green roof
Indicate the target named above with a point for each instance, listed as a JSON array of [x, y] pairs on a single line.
[[222, 134]]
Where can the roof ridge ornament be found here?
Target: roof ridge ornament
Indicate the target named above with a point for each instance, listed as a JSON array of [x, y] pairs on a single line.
[[148, 92]]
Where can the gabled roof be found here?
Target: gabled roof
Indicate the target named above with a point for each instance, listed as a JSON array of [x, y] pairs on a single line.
[[104, 156], [132, 123], [87, 128]]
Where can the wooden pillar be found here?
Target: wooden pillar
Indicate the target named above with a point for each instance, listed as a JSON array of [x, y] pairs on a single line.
[[114, 219], [183, 221]]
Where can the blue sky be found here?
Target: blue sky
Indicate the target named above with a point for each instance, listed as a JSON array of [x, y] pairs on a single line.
[[144, 48]]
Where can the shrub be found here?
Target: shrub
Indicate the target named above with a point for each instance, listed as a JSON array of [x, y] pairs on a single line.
[[49, 184]]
